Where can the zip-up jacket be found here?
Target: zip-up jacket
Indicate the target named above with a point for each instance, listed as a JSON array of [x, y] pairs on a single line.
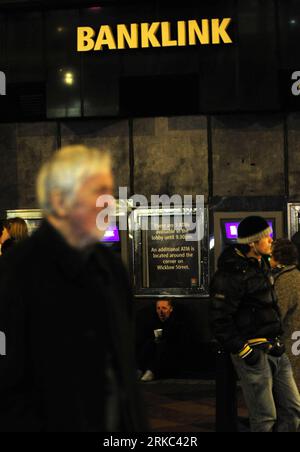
[[245, 311]]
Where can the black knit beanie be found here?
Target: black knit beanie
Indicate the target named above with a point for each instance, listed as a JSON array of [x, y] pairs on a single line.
[[252, 229]]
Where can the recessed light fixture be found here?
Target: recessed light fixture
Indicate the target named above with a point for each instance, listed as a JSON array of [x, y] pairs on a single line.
[[69, 78]]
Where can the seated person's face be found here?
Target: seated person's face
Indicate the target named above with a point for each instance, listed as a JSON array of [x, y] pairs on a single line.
[[164, 310]]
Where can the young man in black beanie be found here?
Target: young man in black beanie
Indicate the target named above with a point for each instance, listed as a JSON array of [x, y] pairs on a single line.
[[247, 324]]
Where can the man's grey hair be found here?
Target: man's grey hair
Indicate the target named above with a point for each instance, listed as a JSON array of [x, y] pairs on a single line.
[[67, 170]]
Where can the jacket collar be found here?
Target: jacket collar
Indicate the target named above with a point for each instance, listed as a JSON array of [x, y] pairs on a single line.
[[70, 260], [278, 271], [256, 262], [239, 253]]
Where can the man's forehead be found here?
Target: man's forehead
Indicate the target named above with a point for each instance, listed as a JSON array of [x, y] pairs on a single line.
[[98, 180], [163, 303], [99, 176], [266, 237]]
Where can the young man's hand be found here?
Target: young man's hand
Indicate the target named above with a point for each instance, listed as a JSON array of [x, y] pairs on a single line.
[[253, 358]]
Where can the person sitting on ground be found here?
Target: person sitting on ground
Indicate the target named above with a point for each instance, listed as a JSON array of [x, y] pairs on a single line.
[[159, 355]]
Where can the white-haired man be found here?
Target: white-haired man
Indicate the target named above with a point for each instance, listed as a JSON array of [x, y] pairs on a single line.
[[65, 308]]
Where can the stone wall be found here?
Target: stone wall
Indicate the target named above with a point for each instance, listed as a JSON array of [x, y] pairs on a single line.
[[245, 155]]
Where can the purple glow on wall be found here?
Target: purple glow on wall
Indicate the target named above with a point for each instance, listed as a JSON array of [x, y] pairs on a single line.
[[231, 228], [111, 235]]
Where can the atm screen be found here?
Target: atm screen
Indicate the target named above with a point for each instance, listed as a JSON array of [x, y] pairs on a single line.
[[112, 239], [230, 229], [111, 235]]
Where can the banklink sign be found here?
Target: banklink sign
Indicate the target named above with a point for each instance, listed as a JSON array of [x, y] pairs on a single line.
[[156, 34]]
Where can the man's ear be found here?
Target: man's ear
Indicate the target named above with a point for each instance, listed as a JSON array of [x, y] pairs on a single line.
[[59, 205]]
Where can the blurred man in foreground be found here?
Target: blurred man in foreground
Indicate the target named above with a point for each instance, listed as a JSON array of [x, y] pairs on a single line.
[[66, 311]]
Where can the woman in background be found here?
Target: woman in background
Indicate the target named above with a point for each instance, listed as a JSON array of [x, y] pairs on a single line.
[[13, 231], [284, 262], [4, 234], [18, 229], [4, 231]]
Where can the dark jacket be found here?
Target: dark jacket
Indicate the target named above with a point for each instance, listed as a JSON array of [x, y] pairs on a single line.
[[244, 304], [167, 355], [174, 332], [287, 287], [63, 315]]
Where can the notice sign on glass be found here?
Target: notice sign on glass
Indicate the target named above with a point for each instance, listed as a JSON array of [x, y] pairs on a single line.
[[168, 257], [173, 261]]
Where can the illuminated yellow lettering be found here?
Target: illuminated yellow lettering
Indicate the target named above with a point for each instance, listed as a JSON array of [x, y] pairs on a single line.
[[166, 35], [148, 35], [219, 31], [181, 27], [85, 40], [202, 34], [156, 34], [105, 37], [131, 38]]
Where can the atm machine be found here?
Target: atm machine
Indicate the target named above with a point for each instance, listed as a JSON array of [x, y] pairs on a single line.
[[226, 227], [293, 219], [117, 241], [114, 238]]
